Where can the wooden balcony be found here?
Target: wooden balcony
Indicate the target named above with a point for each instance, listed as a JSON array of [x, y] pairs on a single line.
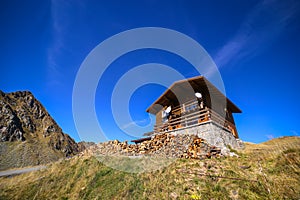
[[190, 115]]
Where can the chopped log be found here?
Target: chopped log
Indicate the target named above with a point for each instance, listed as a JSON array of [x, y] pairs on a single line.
[[141, 140]]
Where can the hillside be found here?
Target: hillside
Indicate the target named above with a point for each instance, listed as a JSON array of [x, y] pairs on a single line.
[[28, 134], [269, 170]]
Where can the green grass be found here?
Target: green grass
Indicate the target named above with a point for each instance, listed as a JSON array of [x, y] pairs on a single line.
[[273, 174]]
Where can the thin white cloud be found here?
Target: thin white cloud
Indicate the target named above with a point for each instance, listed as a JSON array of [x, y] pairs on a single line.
[[265, 22], [57, 44], [60, 30], [133, 123], [270, 136], [294, 132]]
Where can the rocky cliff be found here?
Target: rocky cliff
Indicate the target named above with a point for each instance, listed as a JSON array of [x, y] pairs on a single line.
[[28, 134]]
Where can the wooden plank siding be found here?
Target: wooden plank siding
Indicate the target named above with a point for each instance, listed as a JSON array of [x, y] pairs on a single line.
[[159, 117]]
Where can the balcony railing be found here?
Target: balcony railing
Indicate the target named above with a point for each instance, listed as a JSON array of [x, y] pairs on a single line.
[[188, 118]]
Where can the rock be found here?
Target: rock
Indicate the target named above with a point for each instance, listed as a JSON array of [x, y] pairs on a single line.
[[245, 167], [84, 145], [23, 118], [174, 195]]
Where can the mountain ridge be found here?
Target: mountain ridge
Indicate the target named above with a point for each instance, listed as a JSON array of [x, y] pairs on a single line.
[[28, 133]]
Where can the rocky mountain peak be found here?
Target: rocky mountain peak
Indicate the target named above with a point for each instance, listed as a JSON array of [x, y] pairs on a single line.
[[24, 119]]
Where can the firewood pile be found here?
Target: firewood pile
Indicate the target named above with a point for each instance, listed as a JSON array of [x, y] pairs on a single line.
[[200, 149], [168, 145]]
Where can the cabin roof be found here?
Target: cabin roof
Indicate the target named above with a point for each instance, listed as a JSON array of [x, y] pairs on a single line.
[[198, 84]]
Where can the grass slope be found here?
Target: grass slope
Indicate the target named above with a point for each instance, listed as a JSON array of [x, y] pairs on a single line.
[[270, 170], [29, 153]]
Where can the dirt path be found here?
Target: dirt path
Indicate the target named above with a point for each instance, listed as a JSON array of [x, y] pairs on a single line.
[[20, 171]]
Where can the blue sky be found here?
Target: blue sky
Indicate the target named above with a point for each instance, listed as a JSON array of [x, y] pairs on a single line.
[[255, 45]]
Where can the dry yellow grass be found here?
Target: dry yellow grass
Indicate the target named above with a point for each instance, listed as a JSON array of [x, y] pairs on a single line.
[[263, 171]]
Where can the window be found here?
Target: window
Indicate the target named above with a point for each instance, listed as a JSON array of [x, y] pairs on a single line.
[[164, 116], [191, 107]]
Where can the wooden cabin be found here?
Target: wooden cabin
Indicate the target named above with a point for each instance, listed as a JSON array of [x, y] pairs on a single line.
[[193, 102]]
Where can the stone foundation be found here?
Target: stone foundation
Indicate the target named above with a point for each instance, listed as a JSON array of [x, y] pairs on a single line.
[[213, 134]]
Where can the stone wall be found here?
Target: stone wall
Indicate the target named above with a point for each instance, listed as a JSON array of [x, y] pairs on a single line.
[[213, 134]]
